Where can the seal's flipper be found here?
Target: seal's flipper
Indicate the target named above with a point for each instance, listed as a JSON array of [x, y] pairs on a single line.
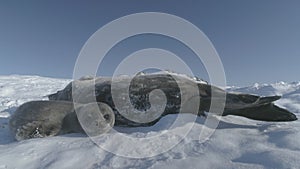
[[240, 101], [70, 124], [267, 112], [267, 99]]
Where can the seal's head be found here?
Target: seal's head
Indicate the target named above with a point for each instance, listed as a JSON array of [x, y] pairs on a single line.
[[95, 118]]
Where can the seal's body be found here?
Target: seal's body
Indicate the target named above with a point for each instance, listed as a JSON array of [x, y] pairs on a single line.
[[141, 85]]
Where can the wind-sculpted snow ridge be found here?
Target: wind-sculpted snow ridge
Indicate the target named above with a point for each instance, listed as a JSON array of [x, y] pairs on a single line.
[[18, 89], [279, 88], [237, 143]]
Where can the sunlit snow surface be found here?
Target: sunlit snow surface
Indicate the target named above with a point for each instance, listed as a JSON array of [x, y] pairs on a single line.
[[237, 143]]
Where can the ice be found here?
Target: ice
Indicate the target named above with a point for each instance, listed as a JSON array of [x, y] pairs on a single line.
[[237, 142]]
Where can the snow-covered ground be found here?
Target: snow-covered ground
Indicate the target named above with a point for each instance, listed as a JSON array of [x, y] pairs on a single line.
[[237, 142]]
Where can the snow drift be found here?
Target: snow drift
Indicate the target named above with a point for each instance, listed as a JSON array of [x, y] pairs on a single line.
[[237, 143]]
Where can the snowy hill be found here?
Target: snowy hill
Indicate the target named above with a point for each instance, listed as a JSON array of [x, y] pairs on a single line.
[[237, 143]]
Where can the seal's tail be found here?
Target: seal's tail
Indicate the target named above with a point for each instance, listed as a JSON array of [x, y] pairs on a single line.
[[266, 112]]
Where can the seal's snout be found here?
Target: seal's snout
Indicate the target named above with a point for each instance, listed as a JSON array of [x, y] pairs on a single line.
[[107, 117]]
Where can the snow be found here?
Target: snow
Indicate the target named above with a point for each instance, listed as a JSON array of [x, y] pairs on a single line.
[[237, 142]]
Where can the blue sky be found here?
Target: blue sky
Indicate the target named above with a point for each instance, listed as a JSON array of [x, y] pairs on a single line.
[[257, 41]]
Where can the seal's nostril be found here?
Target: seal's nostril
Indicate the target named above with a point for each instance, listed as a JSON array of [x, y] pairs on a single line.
[[106, 117]]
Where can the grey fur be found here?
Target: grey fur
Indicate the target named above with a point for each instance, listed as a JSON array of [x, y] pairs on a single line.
[[49, 118], [246, 105]]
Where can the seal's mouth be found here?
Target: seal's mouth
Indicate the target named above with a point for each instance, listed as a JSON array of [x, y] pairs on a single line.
[[107, 117]]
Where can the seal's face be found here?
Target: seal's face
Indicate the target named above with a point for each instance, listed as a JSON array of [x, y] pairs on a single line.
[[95, 118]]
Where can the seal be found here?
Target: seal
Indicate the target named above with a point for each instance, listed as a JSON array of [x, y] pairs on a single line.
[[239, 104], [38, 119]]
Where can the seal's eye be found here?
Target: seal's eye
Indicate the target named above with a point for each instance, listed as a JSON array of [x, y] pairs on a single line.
[[106, 117]]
